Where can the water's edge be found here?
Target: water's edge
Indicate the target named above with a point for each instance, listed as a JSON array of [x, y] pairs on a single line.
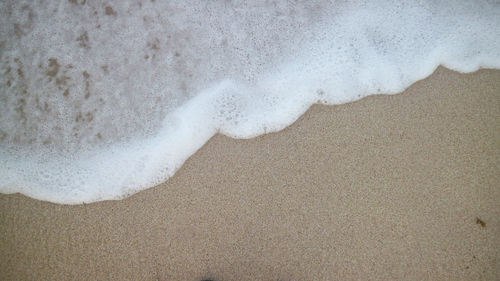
[[74, 129]]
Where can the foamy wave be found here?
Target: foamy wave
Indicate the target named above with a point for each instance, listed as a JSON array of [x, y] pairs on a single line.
[[99, 101]]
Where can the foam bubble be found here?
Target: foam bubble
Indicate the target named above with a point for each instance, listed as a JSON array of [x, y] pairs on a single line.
[[101, 100]]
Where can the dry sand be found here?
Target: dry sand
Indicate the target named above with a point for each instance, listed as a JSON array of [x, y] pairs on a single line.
[[402, 187]]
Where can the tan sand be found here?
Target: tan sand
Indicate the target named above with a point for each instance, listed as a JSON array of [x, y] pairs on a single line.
[[402, 187]]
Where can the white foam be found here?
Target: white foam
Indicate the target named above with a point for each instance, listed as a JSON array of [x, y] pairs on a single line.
[[98, 101]]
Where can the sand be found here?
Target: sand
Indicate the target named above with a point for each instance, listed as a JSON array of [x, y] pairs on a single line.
[[402, 187]]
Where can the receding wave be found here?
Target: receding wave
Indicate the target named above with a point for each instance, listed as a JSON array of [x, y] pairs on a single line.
[[99, 100]]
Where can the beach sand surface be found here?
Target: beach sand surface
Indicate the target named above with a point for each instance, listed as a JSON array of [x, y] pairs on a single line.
[[399, 187]]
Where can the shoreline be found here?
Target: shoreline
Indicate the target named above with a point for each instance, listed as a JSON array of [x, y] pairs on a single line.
[[387, 187]]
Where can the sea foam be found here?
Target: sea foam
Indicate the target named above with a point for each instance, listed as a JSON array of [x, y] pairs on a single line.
[[99, 100]]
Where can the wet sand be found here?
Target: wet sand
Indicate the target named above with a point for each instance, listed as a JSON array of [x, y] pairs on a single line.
[[402, 187]]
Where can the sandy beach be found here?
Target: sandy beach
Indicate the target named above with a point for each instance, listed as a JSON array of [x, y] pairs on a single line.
[[399, 187]]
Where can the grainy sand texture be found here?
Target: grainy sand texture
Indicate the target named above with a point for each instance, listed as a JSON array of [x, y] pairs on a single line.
[[402, 187]]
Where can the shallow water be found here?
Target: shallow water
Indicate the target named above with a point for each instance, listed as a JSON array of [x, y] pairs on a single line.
[[101, 100]]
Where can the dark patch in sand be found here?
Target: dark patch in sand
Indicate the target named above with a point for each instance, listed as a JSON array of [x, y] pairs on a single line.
[[53, 68], [480, 222], [109, 11], [83, 40]]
